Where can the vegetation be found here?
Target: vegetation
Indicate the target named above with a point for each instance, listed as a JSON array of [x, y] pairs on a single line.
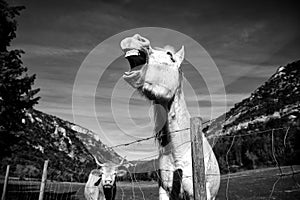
[[274, 105], [16, 93], [258, 150], [69, 159]]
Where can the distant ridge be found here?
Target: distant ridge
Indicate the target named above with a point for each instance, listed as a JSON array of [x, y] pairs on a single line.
[[69, 148], [278, 97], [267, 125]]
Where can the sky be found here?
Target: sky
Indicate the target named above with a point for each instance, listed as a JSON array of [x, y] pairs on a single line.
[[247, 41]]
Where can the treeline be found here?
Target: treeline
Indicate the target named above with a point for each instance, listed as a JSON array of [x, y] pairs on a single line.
[[260, 149]]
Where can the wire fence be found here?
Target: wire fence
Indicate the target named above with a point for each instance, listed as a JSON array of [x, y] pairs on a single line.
[[277, 182], [274, 175]]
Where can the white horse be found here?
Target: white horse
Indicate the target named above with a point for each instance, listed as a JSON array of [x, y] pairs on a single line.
[[156, 73]]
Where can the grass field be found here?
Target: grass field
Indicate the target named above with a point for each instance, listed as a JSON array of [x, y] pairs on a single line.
[[253, 184]]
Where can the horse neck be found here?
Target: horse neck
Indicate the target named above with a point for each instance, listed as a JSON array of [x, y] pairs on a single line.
[[178, 115], [172, 118]]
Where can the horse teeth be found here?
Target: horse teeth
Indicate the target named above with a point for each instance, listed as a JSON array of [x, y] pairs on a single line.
[[132, 52]]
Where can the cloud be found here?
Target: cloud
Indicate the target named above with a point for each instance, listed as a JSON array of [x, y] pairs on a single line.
[[48, 51], [248, 32]]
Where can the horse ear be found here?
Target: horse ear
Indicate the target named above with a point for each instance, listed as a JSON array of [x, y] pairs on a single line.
[[180, 55]]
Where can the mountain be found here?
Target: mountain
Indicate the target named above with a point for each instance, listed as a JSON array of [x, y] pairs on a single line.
[[272, 107], [69, 148], [278, 97]]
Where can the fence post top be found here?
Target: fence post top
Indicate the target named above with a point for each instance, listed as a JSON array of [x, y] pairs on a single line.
[[196, 119]]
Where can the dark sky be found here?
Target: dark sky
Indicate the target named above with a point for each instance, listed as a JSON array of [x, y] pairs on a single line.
[[247, 40]]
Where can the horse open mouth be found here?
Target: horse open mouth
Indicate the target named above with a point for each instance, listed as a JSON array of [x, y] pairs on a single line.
[[136, 58]]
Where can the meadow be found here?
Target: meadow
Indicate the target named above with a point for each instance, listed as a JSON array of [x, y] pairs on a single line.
[[246, 185]]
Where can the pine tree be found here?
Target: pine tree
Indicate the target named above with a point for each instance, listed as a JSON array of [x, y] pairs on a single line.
[[16, 93]]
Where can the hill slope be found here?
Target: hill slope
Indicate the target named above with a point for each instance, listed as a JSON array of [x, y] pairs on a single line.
[[68, 147], [273, 107], [278, 97]]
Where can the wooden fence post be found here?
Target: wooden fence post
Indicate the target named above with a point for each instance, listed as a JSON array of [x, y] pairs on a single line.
[[5, 183], [44, 179], [198, 159]]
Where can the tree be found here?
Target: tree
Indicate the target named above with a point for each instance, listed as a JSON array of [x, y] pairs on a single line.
[[16, 93]]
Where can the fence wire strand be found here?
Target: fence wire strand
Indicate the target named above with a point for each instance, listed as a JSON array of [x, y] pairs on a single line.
[[209, 137]]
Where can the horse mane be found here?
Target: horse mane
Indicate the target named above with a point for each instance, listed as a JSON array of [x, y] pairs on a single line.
[[162, 136]]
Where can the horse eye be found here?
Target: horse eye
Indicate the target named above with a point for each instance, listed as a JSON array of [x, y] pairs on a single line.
[[171, 56]]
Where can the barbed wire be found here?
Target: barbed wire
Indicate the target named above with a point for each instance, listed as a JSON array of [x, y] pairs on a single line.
[[148, 138], [209, 137], [145, 139], [133, 142], [228, 136]]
